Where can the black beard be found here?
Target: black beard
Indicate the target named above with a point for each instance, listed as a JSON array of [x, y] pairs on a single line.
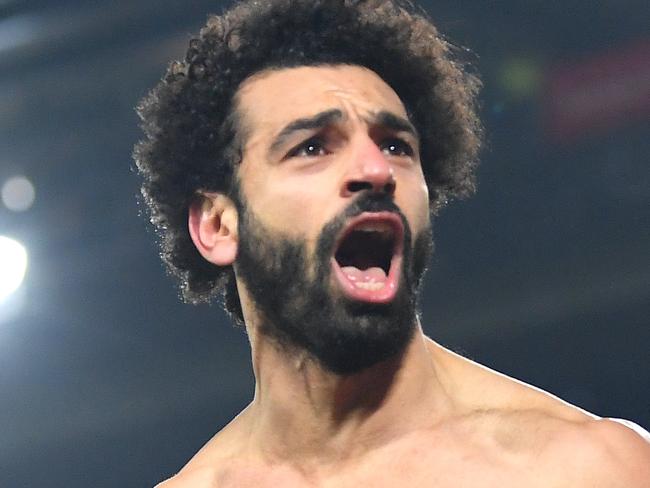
[[303, 313]]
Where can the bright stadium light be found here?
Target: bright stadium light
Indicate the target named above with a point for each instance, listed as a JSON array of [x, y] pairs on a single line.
[[13, 264]]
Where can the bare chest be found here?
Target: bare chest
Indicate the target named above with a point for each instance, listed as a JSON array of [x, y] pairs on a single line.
[[421, 468], [413, 468]]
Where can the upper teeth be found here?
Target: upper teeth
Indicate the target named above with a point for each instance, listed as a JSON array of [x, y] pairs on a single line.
[[375, 227]]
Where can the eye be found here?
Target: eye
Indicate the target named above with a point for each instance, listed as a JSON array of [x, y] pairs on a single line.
[[397, 147], [310, 148]]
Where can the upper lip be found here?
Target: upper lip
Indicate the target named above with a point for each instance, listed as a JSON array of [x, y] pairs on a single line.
[[390, 218]]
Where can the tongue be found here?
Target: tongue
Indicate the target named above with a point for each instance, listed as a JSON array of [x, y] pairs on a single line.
[[370, 275]]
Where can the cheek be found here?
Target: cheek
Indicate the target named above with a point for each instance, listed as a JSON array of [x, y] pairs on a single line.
[[295, 208], [424, 211], [413, 199]]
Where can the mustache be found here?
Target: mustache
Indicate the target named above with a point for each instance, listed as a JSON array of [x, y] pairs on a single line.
[[367, 201], [370, 202]]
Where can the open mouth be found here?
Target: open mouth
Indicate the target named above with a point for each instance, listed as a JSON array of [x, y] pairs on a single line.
[[368, 257]]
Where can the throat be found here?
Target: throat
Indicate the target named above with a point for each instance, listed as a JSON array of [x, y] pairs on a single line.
[[341, 410]]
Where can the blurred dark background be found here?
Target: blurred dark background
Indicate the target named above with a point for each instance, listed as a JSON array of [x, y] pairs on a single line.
[[107, 380]]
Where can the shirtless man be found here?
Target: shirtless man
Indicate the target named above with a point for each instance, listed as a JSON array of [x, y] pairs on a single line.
[[293, 162]]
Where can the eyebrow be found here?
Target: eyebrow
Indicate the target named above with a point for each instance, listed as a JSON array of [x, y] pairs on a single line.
[[395, 123], [318, 121], [323, 119]]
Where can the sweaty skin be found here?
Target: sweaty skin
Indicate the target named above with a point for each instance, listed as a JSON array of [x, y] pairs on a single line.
[[430, 418]]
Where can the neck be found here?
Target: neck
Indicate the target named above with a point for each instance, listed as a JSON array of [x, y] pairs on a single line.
[[304, 414]]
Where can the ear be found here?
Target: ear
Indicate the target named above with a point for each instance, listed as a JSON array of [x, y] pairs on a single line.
[[212, 224]]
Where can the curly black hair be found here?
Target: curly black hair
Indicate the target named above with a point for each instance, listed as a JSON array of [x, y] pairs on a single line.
[[192, 139]]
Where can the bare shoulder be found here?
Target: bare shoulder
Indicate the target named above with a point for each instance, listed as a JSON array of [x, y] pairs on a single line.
[[484, 389], [206, 469], [204, 477], [616, 452], [564, 450], [202, 471], [582, 452], [569, 445]]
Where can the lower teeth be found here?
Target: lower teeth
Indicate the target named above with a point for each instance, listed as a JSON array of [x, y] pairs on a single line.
[[369, 285]]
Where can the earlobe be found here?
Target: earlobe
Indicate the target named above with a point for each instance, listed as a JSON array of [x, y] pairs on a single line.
[[212, 223]]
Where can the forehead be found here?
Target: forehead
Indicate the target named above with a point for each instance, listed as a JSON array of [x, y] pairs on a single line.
[[272, 98]]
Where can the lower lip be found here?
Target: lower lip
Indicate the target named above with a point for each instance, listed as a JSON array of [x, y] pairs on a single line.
[[383, 295]]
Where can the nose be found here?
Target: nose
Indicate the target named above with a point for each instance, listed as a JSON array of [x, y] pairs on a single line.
[[369, 170]]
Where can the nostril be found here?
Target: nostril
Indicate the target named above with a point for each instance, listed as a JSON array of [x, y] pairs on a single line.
[[357, 186]]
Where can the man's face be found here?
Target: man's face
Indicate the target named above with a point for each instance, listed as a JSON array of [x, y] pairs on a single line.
[[334, 229]]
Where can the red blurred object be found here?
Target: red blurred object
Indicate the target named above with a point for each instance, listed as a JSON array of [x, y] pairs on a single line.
[[599, 93]]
